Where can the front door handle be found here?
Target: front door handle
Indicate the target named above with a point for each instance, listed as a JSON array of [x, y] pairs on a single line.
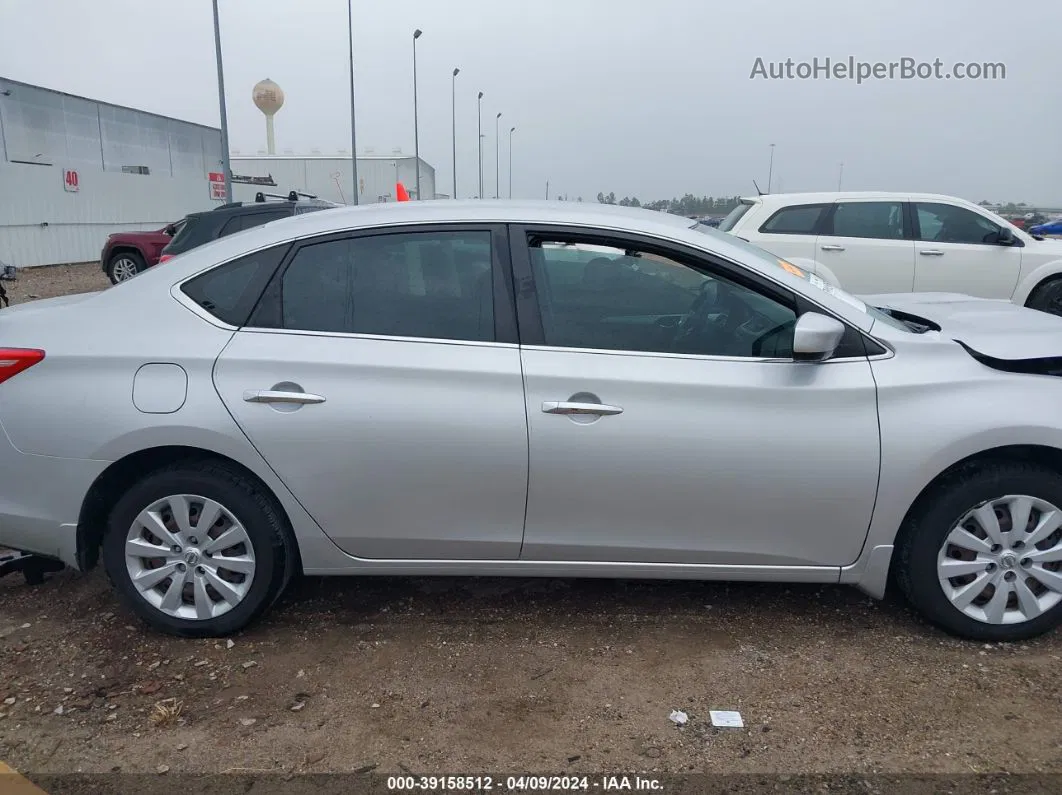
[[831, 247], [931, 252], [280, 396], [564, 407]]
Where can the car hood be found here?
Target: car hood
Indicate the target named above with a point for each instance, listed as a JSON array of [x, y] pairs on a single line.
[[138, 235], [993, 328]]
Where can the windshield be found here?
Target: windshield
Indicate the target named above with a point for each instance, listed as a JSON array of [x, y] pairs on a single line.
[[767, 258], [734, 216]]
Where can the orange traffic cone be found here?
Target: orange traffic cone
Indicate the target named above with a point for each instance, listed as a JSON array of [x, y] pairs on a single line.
[[400, 192]]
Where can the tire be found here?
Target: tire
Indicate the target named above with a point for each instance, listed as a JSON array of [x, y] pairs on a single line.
[[921, 549], [244, 506], [1047, 297], [124, 265]]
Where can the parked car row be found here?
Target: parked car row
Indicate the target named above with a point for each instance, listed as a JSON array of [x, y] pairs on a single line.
[[895, 243], [125, 254], [535, 389]]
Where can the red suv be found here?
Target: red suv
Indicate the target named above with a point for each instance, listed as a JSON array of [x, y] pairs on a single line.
[[125, 254]]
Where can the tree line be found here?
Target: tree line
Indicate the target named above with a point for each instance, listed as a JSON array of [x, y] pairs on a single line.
[[685, 205]]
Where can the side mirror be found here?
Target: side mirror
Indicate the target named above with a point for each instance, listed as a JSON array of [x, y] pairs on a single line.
[[1006, 237], [169, 230], [816, 337]]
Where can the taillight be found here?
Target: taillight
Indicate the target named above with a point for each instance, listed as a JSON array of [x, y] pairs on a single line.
[[165, 257], [14, 360]]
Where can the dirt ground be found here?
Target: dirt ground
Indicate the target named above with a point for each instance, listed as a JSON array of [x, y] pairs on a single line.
[[435, 676]]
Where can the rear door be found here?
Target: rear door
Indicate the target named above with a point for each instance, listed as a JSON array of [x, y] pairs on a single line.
[[868, 246], [380, 378]]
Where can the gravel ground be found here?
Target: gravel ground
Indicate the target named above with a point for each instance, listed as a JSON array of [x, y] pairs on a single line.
[[556, 676], [49, 282]]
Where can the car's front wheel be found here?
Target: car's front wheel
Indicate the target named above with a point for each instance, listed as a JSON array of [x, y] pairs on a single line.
[[1047, 297], [123, 266], [197, 549], [982, 556]]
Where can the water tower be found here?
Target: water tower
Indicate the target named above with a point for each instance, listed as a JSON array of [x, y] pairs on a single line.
[[269, 99]]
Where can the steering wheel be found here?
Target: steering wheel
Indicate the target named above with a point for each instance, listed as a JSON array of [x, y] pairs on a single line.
[[700, 330]]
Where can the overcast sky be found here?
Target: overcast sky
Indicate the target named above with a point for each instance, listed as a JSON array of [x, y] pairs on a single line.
[[652, 99]]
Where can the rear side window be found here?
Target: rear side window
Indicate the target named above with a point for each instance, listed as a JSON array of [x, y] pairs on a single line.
[[800, 219], [878, 220], [230, 291], [189, 235], [251, 220], [419, 284]]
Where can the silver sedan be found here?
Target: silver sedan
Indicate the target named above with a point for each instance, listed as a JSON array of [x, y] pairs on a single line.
[[532, 389]]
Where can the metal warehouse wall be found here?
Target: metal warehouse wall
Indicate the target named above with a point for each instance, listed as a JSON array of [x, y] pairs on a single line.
[[45, 132], [330, 177]]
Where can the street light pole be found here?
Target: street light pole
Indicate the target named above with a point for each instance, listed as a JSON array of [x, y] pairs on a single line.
[[479, 129], [416, 129], [511, 131], [353, 137], [221, 101], [453, 105], [497, 158], [770, 170], [840, 175]]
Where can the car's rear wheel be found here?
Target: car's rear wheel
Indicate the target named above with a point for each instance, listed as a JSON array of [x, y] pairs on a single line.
[[197, 550], [124, 265], [1047, 297], [982, 557]]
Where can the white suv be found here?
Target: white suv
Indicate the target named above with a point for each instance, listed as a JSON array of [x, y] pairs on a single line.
[[902, 243]]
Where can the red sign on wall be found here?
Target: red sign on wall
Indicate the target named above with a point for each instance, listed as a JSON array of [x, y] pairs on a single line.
[[217, 185], [70, 181]]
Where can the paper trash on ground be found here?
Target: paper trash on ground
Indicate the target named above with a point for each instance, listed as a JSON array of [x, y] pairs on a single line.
[[678, 717], [725, 718]]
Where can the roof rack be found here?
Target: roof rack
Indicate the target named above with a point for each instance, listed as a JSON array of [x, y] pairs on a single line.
[[293, 196]]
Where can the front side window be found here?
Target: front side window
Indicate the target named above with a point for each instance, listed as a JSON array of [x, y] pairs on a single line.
[[419, 284], [946, 223], [618, 298], [880, 220]]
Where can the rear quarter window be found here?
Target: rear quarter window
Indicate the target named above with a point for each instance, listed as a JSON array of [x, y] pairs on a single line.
[[229, 292], [800, 219]]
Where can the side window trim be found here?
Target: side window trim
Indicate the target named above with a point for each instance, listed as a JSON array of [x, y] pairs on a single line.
[[505, 325]]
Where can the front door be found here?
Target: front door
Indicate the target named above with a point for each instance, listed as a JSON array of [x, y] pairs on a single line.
[[668, 422], [959, 252], [380, 379]]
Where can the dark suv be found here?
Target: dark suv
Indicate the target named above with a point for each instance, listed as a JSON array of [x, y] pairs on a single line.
[[200, 228]]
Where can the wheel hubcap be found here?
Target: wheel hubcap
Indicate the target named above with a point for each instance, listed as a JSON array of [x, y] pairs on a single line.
[[124, 268], [189, 557], [1002, 562]]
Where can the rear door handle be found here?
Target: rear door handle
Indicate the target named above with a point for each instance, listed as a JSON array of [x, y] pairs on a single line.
[[564, 407], [931, 252], [831, 247], [280, 396]]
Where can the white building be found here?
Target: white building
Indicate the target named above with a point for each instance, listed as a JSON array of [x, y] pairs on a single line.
[[73, 170], [329, 177]]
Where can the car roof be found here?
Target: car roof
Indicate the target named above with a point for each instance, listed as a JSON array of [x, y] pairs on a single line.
[[828, 197]]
